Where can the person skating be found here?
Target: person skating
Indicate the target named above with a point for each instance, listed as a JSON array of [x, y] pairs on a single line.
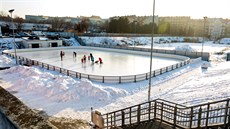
[[61, 55], [83, 59], [74, 54], [91, 57], [100, 60]]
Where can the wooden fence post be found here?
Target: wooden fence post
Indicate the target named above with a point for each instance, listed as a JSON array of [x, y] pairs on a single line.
[[122, 118], [162, 105], [138, 114], [175, 115], [111, 120], [228, 118], [130, 116], [135, 78], [149, 110], [107, 122], [191, 118], [199, 117], [114, 118], [226, 113], [207, 116], [155, 109]]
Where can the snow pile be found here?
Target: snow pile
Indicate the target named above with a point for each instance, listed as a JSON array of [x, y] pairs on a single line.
[[117, 40], [185, 48], [57, 88], [6, 62], [71, 42]]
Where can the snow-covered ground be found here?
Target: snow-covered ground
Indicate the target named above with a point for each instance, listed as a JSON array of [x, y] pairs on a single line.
[[63, 96], [145, 42]]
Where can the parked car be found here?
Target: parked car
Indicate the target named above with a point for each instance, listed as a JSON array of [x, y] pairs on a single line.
[[24, 34]]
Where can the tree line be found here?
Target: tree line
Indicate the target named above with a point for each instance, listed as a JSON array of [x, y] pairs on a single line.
[[112, 25]]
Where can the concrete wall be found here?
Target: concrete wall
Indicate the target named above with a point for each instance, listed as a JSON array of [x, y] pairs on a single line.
[[42, 43]]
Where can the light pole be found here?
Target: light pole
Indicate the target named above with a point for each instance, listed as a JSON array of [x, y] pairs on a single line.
[[11, 11], [151, 60], [135, 30], [205, 18]]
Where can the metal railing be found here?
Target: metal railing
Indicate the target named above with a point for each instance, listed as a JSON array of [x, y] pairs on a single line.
[[176, 115], [103, 79]]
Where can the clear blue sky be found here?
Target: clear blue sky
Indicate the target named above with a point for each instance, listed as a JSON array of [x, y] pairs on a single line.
[[109, 8]]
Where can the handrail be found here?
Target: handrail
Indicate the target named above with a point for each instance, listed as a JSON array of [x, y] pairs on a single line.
[[176, 115]]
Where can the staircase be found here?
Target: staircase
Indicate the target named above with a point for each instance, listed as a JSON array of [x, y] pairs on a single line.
[[162, 114], [79, 40]]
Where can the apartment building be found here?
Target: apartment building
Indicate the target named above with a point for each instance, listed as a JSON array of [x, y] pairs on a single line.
[[178, 25]]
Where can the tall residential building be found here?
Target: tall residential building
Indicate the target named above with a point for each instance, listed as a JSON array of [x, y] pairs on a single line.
[[196, 27], [227, 28], [215, 28], [178, 25]]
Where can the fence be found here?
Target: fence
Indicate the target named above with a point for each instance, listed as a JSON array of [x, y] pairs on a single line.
[[104, 79], [204, 55], [203, 115]]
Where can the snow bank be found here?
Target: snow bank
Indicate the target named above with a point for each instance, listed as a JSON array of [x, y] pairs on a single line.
[[117, 40], [185, 48], [6, 62], [57, 88], [71, 42]]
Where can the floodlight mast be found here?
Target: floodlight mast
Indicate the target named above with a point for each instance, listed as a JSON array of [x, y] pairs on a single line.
[[151, 56], [15, 53]]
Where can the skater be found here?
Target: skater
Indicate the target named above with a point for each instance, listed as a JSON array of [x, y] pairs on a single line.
[[89, 57], [83, 60], [100, 60], [74, 54], [92, 58], [61, 55]]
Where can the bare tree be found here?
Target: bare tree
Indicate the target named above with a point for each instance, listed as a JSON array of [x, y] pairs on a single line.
[[57, 24], [4, 16], [18, 21]]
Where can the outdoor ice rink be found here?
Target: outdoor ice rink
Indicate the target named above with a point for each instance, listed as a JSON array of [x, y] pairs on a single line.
[[114, 63]]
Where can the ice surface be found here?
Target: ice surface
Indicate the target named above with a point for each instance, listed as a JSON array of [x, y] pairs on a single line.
[[114, 64]]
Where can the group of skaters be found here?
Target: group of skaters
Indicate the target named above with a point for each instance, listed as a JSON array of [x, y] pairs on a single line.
[[91, 58], [83, 60]]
